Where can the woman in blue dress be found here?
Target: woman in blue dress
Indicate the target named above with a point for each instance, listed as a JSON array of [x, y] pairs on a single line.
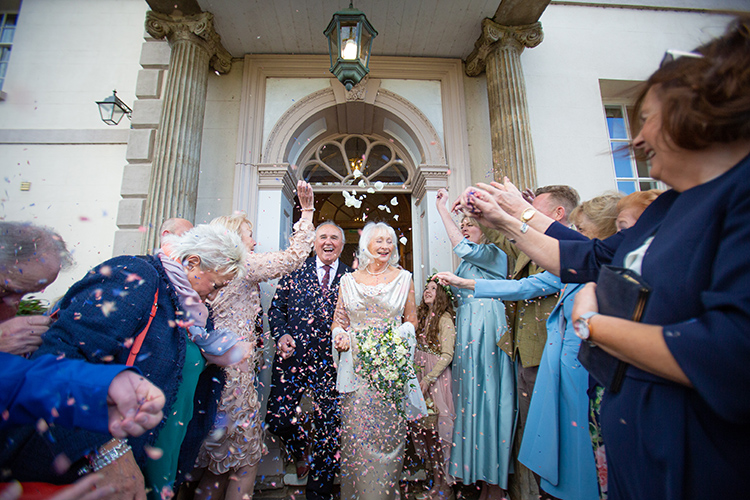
[[556, 444], [483, 375]]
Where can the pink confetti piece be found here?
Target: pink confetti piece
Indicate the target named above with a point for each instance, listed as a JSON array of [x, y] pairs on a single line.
[[153, 452], [61, 464]]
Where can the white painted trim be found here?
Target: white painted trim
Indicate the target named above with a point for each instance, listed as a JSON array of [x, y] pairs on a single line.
[[56, 136]]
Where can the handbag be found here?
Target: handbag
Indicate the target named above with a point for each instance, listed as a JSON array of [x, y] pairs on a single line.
[[621, 293]]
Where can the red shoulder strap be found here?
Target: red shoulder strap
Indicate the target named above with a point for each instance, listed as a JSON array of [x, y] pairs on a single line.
[[138, 342]]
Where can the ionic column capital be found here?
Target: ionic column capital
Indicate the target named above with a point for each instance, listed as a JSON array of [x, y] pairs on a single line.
[[496, 36], [198, 28]]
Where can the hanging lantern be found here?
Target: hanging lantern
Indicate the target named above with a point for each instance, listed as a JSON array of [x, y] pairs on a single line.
[[350, 37]]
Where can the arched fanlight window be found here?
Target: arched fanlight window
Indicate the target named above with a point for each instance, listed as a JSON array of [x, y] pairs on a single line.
[[358, 160]]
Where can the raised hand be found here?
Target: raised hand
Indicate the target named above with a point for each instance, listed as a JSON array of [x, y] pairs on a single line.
[[507, 196], [484, 207], [305, 195], [442, 198]]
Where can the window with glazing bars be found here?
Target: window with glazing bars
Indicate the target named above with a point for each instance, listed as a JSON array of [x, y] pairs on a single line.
[[631, 174], [7, 30]]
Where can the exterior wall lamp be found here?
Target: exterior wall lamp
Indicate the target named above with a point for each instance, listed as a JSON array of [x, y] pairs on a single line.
[[350, 37], [112, 109]]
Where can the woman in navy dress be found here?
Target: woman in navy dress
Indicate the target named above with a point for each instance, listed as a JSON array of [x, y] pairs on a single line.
[[679, 428]]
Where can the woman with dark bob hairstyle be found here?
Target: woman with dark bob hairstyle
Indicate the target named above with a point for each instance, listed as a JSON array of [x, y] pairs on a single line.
[[679, 428]]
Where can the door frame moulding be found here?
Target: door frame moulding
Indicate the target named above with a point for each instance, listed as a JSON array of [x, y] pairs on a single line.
[[251, 152]]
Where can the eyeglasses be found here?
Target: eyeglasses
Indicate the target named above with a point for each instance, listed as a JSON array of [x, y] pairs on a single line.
[[672, 54]]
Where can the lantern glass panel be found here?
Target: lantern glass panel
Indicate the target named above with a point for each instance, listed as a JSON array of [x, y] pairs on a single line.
[[106, 110], [364, 52], [117, 114], [332, 48], [349, 41]]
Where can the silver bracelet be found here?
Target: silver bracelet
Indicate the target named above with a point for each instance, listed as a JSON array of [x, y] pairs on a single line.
[[100, 459], [306, 209]]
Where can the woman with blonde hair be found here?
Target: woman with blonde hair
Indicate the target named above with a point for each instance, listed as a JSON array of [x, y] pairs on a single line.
[[597, 215], [232, 452]]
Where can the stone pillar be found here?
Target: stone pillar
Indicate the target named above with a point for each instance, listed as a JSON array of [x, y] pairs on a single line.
[[498, 53], [196, 46]]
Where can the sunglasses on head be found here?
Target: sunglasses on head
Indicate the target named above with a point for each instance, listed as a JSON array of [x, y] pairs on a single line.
[[672, 54]]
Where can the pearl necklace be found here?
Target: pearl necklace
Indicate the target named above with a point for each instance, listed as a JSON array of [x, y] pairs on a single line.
[[367, 268]]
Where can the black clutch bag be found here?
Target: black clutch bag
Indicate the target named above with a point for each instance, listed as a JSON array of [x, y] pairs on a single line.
[[621, 293]]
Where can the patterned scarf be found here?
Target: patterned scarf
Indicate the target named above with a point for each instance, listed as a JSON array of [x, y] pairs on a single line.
[[189, 299]]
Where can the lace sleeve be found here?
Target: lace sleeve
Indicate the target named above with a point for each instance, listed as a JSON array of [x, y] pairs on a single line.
[[271, 265]]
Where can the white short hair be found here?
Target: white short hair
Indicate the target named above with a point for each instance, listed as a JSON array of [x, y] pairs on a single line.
[[370, 230], [220, 249]]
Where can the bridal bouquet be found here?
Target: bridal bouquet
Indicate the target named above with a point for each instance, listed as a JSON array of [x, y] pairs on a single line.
[[385, 362]]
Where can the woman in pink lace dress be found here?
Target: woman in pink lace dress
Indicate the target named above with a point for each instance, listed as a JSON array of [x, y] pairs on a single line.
[[233, 449]]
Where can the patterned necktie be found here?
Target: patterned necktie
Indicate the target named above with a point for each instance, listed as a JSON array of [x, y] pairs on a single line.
[[326, 278]]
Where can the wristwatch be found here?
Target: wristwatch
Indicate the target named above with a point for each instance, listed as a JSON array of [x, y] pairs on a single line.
[[528, 214], [581, 325]]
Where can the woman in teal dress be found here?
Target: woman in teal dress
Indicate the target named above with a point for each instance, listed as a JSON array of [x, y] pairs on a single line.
[[484, 387]]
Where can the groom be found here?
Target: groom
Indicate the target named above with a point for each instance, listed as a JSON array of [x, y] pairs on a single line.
[[300, 317]]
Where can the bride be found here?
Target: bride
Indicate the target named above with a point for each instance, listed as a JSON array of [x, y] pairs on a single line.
[[374, 425]]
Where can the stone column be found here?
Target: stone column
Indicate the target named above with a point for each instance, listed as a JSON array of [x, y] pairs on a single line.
[[196, 47], [498, 53]]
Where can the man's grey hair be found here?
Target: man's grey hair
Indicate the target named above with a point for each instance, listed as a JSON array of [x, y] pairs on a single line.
[[219, 249], [331, 223], [371, 230], [23, 241]]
